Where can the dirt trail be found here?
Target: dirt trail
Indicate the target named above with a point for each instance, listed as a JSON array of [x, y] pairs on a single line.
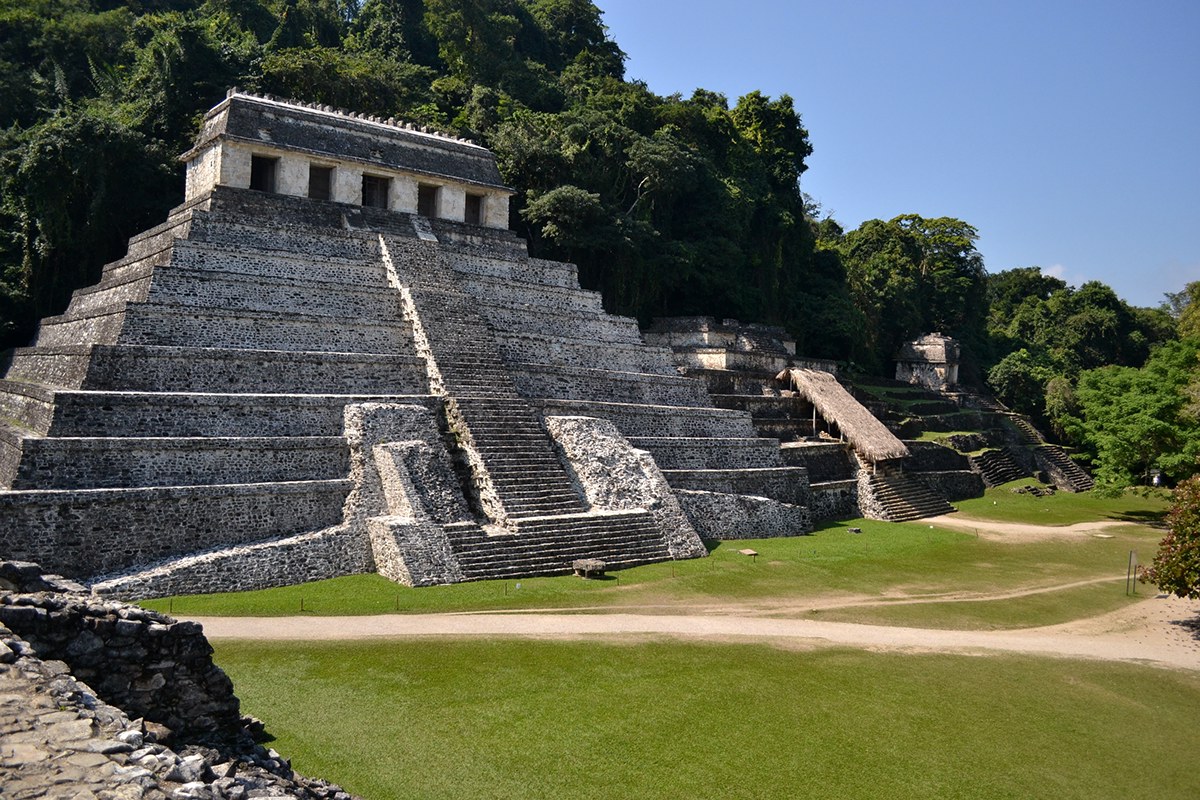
[[994, 529], [1153, 631], [1162, 631]]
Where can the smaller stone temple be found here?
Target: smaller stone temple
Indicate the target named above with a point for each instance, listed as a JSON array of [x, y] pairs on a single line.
[[930, 361]]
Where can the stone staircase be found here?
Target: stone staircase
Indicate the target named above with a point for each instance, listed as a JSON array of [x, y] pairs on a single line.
[[517, 474], [997, 467], [547, 545], [567, 355], [516, 458], [904, 498], [1026, 433], [1066, 474]]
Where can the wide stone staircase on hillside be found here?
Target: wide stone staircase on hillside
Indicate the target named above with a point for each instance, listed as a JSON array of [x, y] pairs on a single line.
[[905, 498]]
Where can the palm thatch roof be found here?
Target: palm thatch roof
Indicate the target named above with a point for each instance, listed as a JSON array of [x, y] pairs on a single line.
[[866, 434]]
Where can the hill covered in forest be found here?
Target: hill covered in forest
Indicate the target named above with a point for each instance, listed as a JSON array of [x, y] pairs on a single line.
[[670, 205]]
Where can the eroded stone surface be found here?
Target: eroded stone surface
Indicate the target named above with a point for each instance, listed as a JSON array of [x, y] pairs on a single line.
[[60, 738]]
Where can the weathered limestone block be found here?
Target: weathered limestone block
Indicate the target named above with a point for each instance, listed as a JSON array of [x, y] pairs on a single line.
[[412, 552], [369, 424], [741, 516], [405, 489], [612, 475]]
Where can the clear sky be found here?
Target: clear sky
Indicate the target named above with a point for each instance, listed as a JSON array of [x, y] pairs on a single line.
[[1068, 133]]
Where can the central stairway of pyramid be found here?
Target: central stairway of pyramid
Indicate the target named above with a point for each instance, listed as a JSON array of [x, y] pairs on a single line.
[[271, 388]]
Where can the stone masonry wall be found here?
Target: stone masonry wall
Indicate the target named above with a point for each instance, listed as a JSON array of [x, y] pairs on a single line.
[[107, 701], [737, 516], [834, 500], [145, 663]]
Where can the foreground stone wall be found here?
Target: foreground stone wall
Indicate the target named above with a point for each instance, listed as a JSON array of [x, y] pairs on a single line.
[[155, 718]]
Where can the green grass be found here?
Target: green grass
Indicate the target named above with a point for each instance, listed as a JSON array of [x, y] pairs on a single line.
[[536, 719], [1043, 608], [1146, 506], [941, 436], [788, 577]]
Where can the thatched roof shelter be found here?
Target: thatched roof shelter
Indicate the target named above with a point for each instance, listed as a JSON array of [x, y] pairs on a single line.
[[866, 434]]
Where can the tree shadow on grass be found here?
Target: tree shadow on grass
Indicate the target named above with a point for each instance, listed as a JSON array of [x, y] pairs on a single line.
[[1153, 519]]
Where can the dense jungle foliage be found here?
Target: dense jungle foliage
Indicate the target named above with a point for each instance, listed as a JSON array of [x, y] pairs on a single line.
[[670, 205]]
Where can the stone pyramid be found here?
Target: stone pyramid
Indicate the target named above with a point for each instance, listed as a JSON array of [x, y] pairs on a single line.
[[334, 358]]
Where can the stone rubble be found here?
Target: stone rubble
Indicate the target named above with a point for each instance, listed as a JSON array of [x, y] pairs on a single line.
[[62, 739]]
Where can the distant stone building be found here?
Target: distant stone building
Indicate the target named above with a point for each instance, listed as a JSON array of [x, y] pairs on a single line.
[[930, 361]]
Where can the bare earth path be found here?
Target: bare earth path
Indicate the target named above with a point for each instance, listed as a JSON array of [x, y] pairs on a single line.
[[1016, 531], [1160, 631], [1148, 632]]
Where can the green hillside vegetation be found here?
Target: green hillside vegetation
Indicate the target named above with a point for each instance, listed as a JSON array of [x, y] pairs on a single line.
[[670, 205]]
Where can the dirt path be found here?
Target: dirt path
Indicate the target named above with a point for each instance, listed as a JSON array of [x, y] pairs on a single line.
[[1150, 632], [1010, 531]]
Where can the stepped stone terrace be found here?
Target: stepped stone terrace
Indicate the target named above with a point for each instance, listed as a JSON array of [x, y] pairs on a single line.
[[335, 358]]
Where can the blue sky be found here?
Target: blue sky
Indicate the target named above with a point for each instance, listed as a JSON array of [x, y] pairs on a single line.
[[1068, 133]]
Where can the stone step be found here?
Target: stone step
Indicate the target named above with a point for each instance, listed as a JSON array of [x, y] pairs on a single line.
[[200, 369], [997, 467], [785, 484], [516, 294], [548, 545], [89, 413], [762, 406], [642, 419], [167, 324], [311, 241], [825, 461], [523, 270], [212, 288], [673, 452], [111, 294], [1076, 478], [112, 530], [95, 463], [571, 351], [735, 382], [365, 271], [905, 499], [588, 383], [606, 328]]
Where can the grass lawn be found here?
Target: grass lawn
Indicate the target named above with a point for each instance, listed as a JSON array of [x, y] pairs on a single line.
[[438, 718], [788, 577], [1146, 506]]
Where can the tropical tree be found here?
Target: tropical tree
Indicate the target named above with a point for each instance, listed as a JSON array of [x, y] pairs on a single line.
[[1132, 421], [912, 275], [1176, 566]]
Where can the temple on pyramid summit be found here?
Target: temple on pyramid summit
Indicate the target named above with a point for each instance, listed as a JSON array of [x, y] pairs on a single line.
[[335, 358]]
